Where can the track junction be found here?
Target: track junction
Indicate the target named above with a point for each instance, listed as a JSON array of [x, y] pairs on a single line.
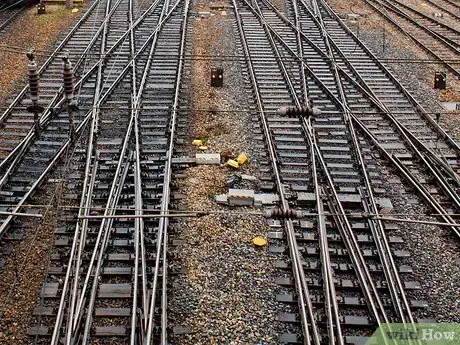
[[107, 279]]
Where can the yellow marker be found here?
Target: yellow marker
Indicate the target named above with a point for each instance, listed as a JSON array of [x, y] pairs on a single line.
[[259, 241], [242, 158], [233, 164], [197, 142], [203, 148], [75, 10]]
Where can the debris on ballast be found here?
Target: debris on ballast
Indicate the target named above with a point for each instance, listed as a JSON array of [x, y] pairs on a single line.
[[233, 163], [207, 158], [259, 241], [246, 197], [242, 158]]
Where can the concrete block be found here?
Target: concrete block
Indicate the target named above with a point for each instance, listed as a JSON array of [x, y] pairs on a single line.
[[221, 199], [385, 205], [248, 177], [207, 158], [265, 199], [240, 197]]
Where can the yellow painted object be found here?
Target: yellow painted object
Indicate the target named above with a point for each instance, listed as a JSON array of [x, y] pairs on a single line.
[[259, 241], [203, 148], [242, 158], [232, 163], [197, 142], [75, 10]]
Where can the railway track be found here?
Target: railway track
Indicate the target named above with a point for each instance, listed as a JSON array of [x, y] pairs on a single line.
[[9, 13], [448, 7], [437, 38], [115, 283], [107, 279], [21, 175], [323, 164]]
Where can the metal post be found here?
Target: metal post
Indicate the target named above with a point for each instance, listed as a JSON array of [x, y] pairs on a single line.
[[33, 90], [69, 94]]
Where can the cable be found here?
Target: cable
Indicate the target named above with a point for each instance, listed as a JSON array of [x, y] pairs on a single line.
[[251, 111], [225, 58]]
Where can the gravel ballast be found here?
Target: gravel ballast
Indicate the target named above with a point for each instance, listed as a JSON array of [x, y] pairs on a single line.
[[228, 294]]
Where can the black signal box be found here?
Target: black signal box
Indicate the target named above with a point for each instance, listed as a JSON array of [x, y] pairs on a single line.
[[217, 77], [440, 80], [41, 9]]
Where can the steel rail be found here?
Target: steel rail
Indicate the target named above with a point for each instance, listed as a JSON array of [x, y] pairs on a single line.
[[113, 196], [451, 68], [7, 7], [17, 153], [331, 305], [162, 237], [299, 42], [406, 173], [41, 178], [377, 230], [390, 272], [51, 57], [95, 108], [59, 100], [442, 8], [88, 174], [367, 285], [409, 177], [78, 312], [14, 15], [71, 320], [414, 143], [326, 266], [408, 136], [435, 21], [364, 86], [85, 201], [404, 132], [412, 179], [106, 229], [358, 261], [419, 188], [139, 224], [394, 282], [304, 300], [422, 112]]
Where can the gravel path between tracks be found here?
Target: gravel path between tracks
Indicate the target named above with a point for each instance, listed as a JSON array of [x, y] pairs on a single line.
[[228, 293], [395, 49], [31, 30]]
